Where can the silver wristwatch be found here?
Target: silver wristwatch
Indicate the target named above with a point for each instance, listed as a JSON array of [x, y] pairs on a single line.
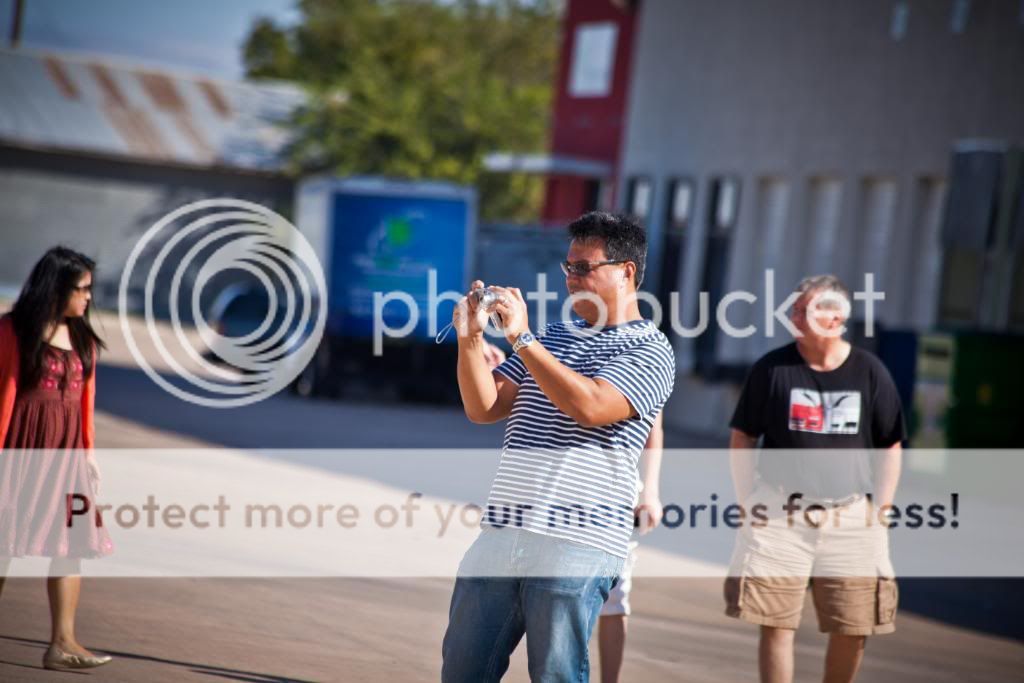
[[522, 341]]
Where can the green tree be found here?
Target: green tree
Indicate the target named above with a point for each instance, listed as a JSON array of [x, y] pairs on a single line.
[[419, 88]]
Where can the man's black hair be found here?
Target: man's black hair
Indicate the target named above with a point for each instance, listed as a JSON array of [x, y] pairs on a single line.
[[623, 238]]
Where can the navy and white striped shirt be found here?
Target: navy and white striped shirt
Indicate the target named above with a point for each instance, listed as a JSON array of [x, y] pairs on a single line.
[[561, 479]]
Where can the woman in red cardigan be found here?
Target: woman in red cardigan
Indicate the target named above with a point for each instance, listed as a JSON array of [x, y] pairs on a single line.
[[48, 353]]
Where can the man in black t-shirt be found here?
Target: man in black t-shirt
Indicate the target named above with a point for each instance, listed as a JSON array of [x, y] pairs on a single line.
[[839, 405]]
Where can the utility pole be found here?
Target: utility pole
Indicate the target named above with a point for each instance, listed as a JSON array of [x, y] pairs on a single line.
[[19, 12]]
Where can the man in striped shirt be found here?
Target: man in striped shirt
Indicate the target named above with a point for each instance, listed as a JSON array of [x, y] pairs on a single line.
[[580, 398]]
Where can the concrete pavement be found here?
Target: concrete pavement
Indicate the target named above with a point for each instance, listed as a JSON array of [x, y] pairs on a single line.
[[267, 630]]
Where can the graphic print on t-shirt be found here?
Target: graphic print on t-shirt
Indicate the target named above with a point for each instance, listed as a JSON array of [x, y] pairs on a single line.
[[824, 412]]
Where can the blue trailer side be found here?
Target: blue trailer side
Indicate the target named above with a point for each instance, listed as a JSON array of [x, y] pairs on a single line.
[[375, 237]]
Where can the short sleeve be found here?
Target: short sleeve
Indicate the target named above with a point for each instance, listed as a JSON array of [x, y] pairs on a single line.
[[751, 410], [644, 373], [513, 368], [887, 423]]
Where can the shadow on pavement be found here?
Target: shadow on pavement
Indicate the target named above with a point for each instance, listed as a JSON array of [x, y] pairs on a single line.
[[221, 672], [286, 421]]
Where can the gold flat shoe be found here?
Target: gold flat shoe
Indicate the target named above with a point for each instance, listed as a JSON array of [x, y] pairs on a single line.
[[57, 659]]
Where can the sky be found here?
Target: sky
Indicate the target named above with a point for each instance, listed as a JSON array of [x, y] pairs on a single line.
[[194, 35]]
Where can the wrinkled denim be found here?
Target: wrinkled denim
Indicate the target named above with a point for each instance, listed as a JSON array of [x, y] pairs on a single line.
[[514, 582]]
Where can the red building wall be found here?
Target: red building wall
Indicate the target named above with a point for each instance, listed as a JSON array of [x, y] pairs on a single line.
[[589, 127]]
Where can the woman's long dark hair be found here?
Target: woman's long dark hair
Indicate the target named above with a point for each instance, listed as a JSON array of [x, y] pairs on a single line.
[[41, 305]]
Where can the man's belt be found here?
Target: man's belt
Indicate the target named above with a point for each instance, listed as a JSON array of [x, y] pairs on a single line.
[[823, 502], [834, 502]]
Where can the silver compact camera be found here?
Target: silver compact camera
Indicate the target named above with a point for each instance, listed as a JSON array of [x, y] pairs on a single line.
[[487, 299]]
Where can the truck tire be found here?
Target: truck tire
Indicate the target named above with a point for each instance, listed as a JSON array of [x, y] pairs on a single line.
[[305, 384]]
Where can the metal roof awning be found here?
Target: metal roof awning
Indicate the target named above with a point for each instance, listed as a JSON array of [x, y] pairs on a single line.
[[107, 106], [546, 164]]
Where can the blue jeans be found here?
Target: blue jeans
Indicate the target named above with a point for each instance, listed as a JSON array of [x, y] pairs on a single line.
[[514, 582]]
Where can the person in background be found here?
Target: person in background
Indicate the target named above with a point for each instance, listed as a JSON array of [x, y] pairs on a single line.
[[823, 394], [48, 355], [613, 622]]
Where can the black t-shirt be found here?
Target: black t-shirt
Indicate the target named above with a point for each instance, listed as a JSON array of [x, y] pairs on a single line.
[[792, 406]]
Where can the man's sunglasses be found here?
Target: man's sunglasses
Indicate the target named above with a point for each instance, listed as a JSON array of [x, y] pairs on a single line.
[[583, 268]]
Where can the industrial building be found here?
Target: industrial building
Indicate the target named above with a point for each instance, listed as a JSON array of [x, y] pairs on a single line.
[[800, 137], [93, 151]]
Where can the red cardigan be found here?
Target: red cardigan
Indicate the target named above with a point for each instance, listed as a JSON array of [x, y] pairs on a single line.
[[9, 371]]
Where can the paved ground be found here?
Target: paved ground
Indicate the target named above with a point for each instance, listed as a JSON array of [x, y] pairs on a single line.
[[386, 630], [375, 630], [263, 630]]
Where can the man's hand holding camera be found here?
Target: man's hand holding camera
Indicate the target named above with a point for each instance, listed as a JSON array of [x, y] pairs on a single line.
[[486, 396], [511, 307], [471, 313], [469, 317]]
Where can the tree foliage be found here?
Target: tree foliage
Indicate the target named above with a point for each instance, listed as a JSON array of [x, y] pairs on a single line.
[[418, 88]]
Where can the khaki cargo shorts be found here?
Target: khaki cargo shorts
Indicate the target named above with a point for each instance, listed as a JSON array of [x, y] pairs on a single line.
[[843, 559]]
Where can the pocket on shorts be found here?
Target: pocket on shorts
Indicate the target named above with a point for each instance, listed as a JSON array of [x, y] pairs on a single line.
[[886, 600]]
